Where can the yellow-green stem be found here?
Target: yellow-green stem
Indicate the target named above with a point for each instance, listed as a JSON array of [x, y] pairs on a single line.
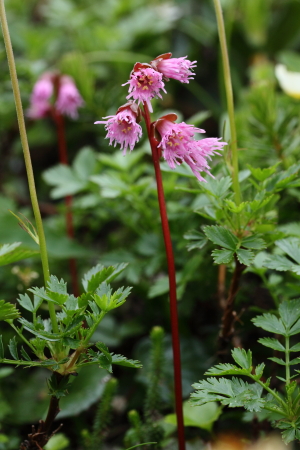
[[230, 104], [27, 158]]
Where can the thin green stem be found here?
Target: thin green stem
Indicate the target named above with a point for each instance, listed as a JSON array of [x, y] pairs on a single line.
[[27, 158], [287, 360], [22, 337], [230, 104], [282, 402], [93, 329]]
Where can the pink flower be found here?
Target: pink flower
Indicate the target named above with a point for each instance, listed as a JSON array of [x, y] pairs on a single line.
[[176, 68], [145, 84], [178, 145], [68, 99], [40, 98], [123, 128]]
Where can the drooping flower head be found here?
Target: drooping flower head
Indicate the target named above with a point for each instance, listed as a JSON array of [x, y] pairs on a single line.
[[145, 84], [123, 127], [68, 98], [40, 97], [178, 145], [176, 68]]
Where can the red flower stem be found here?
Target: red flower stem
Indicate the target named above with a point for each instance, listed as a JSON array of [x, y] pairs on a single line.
[[63, 159], [172, 281]]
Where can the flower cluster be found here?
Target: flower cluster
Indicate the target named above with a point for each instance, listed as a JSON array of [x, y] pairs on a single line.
[[49, 85], [176, 141]]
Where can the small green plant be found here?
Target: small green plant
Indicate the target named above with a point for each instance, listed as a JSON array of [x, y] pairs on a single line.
[[282, 408]]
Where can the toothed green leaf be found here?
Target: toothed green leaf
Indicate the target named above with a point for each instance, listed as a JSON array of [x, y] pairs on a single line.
[[242, 358], [99, 274], [245, 256], [8, 311], [272, 343], [221, 236], [223, 256], [271, 323], [13, 348], [253, 242]]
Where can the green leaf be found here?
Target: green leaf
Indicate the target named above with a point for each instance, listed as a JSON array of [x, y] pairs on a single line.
[[98, 274], [289, 312], [123, 361], [278, 262], [198, 239], [8, 311], [25, 301], [245, 256], [10, 253], [221, 236], [13, 348], [263, 174], [272, 343], [1, 348], [226, 369], [295, 348], [218, 188], [202, 416], [24, 354], [255, 205], [57, 290], [289, 435], [259, 371], [291, 246], [242, 358], [223, 256], [103, 348], [278, 360], [295, 329], [233, 207], [64, 179], [254, 242], [271, 323]]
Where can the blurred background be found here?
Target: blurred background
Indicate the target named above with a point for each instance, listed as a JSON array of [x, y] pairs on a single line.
[[115, 210]]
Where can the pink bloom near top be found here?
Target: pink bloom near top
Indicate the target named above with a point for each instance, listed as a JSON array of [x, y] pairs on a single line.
[[175, 140], [145, 84], [178, 145], [123, 128]]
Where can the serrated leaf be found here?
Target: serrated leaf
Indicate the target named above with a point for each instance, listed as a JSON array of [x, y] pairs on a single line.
[[221, 236], [295, 329], [25, 302], [245, 256], [253, 242], [74, 326], [103, 348], [291, 246], [198, 239], [1, 348], [271, 323], [255, 205], [123, 361], [295, 348], [272, 343], [100, 359], [8, 311], [288, 435], [289, 312], [278, 262], [226, 369], [218, 188], [99, 274], [242, 358], [262, 174], [223, 256], [277, 360], [10, 253], [57, 290], [39, 333], [13, 348], [24, 354], [259, 370], [233, 207]]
